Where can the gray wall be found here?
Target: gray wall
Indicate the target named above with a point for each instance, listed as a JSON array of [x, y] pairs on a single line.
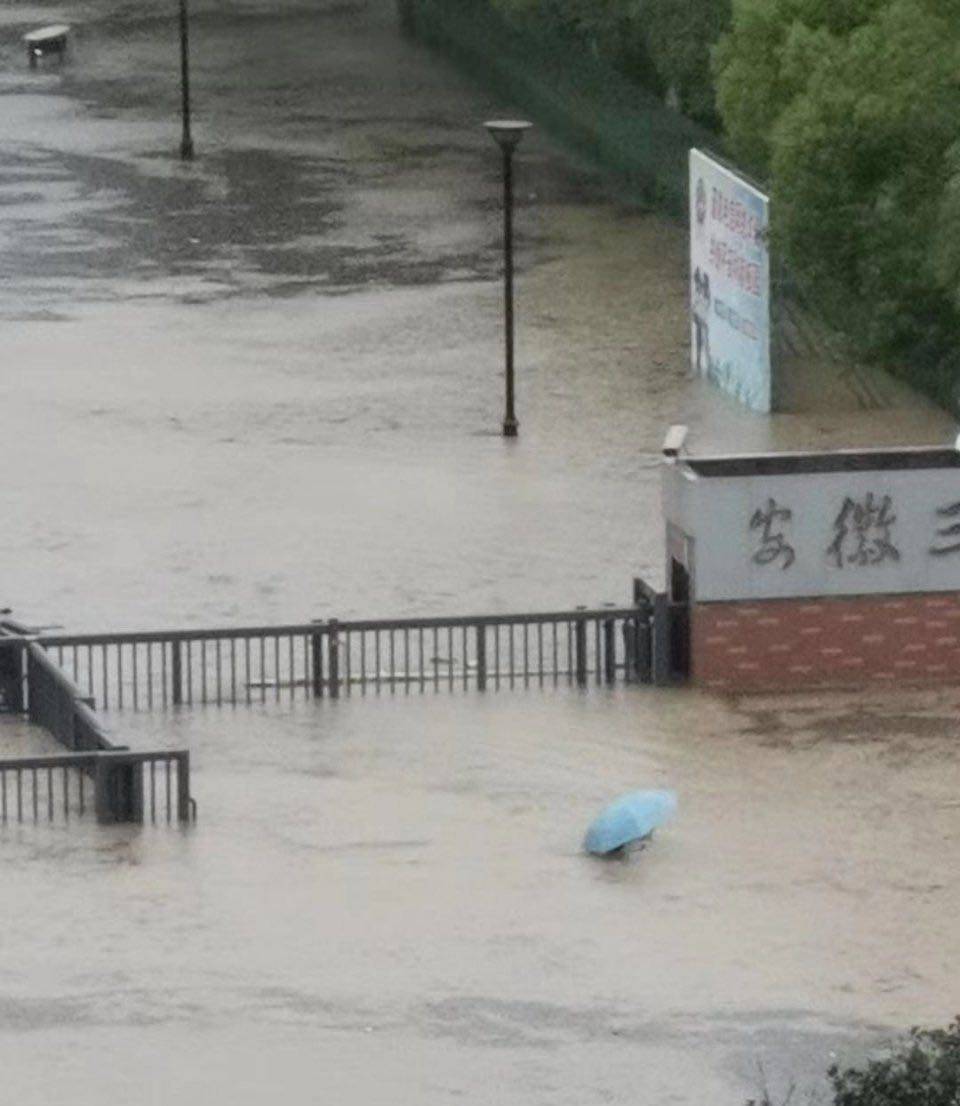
[[848, 533]]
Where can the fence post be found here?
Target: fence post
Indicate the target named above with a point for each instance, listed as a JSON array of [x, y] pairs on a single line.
[[316, 675], [118, 788], [631, 664], [183, 786], [660, 640], [481, 657], [609, 650], [642, 637], [11, 676], [71, 730], [333, 657], [35, 696], [176, 673], [580, 643]]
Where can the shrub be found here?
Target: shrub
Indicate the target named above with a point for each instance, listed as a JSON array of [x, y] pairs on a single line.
[[925, 1071]]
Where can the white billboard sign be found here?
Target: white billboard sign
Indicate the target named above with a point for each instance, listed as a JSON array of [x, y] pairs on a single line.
[[729, 282]]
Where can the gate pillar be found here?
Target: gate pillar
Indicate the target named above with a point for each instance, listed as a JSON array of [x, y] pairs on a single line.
[[118, 788]]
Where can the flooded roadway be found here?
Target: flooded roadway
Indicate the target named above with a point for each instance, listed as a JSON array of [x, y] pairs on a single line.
[[267, 386]]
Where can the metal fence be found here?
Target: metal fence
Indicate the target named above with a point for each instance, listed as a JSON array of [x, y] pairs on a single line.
[[117, 778], [485, 652], [245, 665], [144, 671], [116, 787], [55, 703], [58, 679]]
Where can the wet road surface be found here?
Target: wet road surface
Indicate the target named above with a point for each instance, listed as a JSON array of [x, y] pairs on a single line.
[[267, 386]]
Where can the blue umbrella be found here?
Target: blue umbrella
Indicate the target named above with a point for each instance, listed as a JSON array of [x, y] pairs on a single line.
[[630, 818]]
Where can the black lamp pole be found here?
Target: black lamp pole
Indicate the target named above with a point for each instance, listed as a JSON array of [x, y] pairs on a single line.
[[507, 133], [186, 142]]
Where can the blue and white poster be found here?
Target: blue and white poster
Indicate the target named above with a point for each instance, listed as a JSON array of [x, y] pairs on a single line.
[[729, 282]]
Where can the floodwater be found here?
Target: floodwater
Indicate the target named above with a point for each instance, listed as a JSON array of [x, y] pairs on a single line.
[[267, 386]]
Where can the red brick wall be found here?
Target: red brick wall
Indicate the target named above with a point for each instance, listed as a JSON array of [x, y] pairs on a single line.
[[794, 643]]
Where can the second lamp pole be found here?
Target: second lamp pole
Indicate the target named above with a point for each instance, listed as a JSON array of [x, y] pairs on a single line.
[[507, 134], [186, 141]]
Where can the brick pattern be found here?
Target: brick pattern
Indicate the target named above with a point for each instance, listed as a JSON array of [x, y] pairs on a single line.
[[798, 643]]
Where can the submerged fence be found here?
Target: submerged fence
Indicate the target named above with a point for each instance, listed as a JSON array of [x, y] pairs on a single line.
[[55, 703], [118, 787], [245, 665], [124, 786], [58, 680]]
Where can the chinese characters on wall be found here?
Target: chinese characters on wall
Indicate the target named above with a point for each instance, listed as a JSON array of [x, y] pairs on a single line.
[[861, 533], [774, 548], [948, 532]]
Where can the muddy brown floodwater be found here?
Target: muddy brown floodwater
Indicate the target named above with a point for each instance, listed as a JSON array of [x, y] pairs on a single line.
[[266, 386]]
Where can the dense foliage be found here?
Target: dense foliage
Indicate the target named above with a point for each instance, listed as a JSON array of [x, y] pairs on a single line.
[[851, 110], [663, 45], [680, 36], [925, 1071]]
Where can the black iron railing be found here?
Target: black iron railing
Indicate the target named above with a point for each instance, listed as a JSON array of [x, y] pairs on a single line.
[[54, 702], [231, 666], [32, 683], [484, 651], [144, 671], [123, 786], [58, 678]]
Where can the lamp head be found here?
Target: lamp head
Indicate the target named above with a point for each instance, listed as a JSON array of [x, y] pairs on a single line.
[[507, 132]]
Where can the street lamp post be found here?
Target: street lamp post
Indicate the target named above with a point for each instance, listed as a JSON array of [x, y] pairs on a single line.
[[507, 134], [186, 142]]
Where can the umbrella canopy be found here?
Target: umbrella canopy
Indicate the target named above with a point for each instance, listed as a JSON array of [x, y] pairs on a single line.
[[629, 818]]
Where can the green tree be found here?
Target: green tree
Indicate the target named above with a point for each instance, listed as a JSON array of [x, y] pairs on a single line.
[[680, 35], [765, 60], [595, 21], [611, 29], [660, 44], [947, 257], [853, 115], [860, 168], [924, 1071]]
